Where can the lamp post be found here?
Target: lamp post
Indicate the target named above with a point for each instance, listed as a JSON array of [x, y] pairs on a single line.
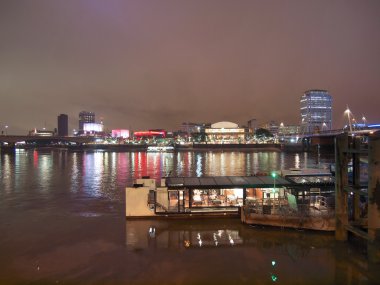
[[349, 119], [6, 127], [274, 174]]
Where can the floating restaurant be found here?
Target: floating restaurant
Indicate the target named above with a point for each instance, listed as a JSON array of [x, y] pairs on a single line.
[[292, 199]]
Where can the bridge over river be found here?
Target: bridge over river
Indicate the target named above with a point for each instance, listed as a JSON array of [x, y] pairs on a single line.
[[8, 142], [323, 139]]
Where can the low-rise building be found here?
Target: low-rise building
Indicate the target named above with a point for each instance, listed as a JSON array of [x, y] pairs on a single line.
[[225, 132]]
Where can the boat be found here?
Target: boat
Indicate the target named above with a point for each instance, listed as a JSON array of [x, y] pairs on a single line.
[[303, 201], [160, 149]]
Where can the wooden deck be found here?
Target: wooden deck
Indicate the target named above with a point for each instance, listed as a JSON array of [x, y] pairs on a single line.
[[317, 222]]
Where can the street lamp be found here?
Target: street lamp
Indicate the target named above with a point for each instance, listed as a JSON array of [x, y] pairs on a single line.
[[6, 127], [324, 126], [364, 120], [274, 174], [349, 119]]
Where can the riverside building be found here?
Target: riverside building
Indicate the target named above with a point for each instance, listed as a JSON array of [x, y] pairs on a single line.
[[63, 125], [85, 118], [225, 133], [316, 111]]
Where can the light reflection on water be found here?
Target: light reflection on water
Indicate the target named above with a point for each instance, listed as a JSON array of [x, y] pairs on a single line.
[[236, 253], [64, 212], [106, 174]]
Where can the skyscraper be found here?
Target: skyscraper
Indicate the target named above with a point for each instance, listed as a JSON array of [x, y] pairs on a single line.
[[85, 117], [63, 125], [316, 111]]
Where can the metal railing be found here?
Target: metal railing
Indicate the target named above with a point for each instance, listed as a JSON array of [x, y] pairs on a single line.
[[318, 206]]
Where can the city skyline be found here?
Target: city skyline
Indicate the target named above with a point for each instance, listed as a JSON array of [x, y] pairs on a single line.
[[146, 64]]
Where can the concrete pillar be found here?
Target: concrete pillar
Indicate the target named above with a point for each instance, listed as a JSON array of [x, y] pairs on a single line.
[[373, 245], [341, 181]]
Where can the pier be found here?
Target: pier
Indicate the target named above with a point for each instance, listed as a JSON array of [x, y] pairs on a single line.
[[350, 217]]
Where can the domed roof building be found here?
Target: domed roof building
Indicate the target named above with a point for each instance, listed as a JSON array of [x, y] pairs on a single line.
[[225, 133], [224, 125]]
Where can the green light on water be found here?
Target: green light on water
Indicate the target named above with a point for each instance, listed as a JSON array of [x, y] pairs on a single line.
[[274, 278]]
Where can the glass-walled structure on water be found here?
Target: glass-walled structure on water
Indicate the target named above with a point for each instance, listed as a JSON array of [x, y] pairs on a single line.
[[227, 194], [213, 194]]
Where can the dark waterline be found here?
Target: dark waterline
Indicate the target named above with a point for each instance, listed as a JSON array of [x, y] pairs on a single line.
[[62, 221]]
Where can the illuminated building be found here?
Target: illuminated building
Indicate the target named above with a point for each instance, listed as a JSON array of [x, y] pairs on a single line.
[[150, 134], [120, 133], [63, 125], [316, 111], [191, 128], [252, 124], [271, 126], [225, 132], [92, 128], [194, 131], [85, 117], [289, 129]]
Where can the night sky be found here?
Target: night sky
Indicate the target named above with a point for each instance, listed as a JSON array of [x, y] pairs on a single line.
[[155, 64]]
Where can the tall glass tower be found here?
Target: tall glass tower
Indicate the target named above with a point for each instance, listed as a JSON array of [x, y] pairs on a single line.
[[316, 111]]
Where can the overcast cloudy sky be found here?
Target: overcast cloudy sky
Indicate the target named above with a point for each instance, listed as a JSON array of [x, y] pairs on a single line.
[[155, 64]]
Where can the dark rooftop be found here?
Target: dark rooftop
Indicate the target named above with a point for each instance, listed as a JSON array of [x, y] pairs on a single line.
[[226, 182]]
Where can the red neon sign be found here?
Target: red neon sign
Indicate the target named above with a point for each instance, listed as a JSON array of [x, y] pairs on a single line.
[[149, 133]]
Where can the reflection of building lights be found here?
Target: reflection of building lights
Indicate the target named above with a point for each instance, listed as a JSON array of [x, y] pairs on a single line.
[[198, 160], [215, 240], [152, 232], [187, 243], [231, 240], [297, 161]]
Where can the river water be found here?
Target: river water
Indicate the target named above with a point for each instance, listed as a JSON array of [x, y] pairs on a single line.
[[62, 222]]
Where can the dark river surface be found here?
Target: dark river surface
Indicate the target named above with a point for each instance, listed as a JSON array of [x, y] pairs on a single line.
[[62, 222]]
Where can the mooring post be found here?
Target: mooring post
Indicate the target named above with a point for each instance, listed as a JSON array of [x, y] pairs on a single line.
[[373, 244], [356, 177], [341, 181]]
